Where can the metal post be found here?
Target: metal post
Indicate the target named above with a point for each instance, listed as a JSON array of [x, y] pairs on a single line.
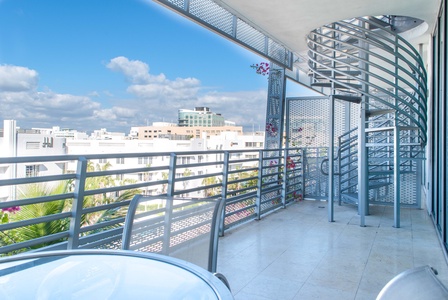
[[225, 178], [285, 181], [75, 220], [396, 176], [418, 181], [331, 163], [363, 172], [363, 179], [259, 185]]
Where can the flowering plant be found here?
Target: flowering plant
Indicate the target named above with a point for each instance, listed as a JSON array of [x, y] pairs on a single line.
[[271, 129], [4, 213], [12, 209], [290, 164], [261, 68]]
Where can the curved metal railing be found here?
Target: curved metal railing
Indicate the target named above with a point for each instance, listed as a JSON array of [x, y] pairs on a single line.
[[363, 57]]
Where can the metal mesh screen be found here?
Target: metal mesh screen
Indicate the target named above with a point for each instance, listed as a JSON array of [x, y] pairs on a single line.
[[213, 14], [309, 121], [178, 3], [250, 36], [217, 18]]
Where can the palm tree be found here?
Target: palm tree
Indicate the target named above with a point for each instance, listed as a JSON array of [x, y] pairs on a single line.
[[33, 211], [210, 191]]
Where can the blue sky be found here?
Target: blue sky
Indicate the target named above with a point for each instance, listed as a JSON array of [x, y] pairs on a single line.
[[91, 64]]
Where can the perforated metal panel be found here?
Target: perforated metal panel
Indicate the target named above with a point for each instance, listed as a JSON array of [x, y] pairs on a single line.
[[213, 14], [219, 19], [308, 121]]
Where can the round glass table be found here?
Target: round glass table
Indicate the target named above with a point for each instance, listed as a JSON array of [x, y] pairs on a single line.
[[105, 274]]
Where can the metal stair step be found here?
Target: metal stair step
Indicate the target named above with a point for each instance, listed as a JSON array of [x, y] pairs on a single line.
[[354, 99], [376, 173], [390, 144], [390, 128], [339, 72], [337, 85], [379, 129], [350, 197], [377, 112], [378, 23], [377, 185], [351, 40]]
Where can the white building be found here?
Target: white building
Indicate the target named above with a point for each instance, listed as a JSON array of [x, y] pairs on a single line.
[[22, 143], [48, 142]]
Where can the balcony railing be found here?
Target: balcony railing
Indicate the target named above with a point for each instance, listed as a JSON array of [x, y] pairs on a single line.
[[80, 201]]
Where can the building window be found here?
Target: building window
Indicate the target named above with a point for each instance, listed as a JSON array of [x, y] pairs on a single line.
[[120, 160], [48, 142], [32, 145], [32, 171], [103, 160], [144, 160]]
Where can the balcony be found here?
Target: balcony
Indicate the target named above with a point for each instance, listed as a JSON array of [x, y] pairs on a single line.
[[295, 253], [277, 241]]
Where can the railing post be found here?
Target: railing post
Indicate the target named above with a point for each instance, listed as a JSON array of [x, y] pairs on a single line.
[[340, 172], [302, 150], [363, 176], [225, 179], [331, 163], [285, 181], [396, 176], [77, 205], [259, 185], [172, 175], [169, 203]]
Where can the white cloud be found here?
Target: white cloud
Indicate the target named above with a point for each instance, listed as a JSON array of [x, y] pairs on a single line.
[[153, 98], [135, 71], [16, 79], [245, 107]]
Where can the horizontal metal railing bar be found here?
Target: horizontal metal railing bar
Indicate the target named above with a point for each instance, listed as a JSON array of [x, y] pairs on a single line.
[[243, 170], [101, 225], [34, 242], [38, 179], [124, 171], [38, 220], [241, 180], [36, 200], [108, 206], [239, 198]]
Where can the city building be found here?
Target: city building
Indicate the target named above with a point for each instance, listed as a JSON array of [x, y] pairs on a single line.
[[163, 130], [16, 142], [200, 116]]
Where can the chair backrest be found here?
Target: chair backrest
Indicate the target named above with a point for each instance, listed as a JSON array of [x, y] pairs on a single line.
[[417, 283], [184, 228]]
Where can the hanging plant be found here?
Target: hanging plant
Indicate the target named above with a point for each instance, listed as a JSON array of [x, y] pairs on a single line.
[[271, 129], [261, 68]]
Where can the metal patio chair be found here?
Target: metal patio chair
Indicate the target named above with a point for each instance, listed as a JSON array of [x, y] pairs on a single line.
[[184, 228], [419, 283]]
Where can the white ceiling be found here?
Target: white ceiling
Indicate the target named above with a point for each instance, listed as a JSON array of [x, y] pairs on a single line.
[[289, 21]]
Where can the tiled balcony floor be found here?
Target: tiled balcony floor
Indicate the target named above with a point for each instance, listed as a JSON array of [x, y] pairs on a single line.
[[295, 253]]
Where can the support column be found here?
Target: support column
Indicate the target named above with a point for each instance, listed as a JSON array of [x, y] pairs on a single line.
[[331, 163], [396, 176], [363, 177], [363, 171], [275, 108], [275, 115]]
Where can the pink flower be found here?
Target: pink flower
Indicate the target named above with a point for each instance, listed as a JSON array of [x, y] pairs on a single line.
[[12, 209]]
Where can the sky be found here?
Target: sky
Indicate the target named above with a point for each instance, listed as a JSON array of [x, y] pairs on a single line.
[[114, 64]]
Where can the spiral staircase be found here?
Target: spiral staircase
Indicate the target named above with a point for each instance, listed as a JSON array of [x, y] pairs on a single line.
[[366, 61]]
